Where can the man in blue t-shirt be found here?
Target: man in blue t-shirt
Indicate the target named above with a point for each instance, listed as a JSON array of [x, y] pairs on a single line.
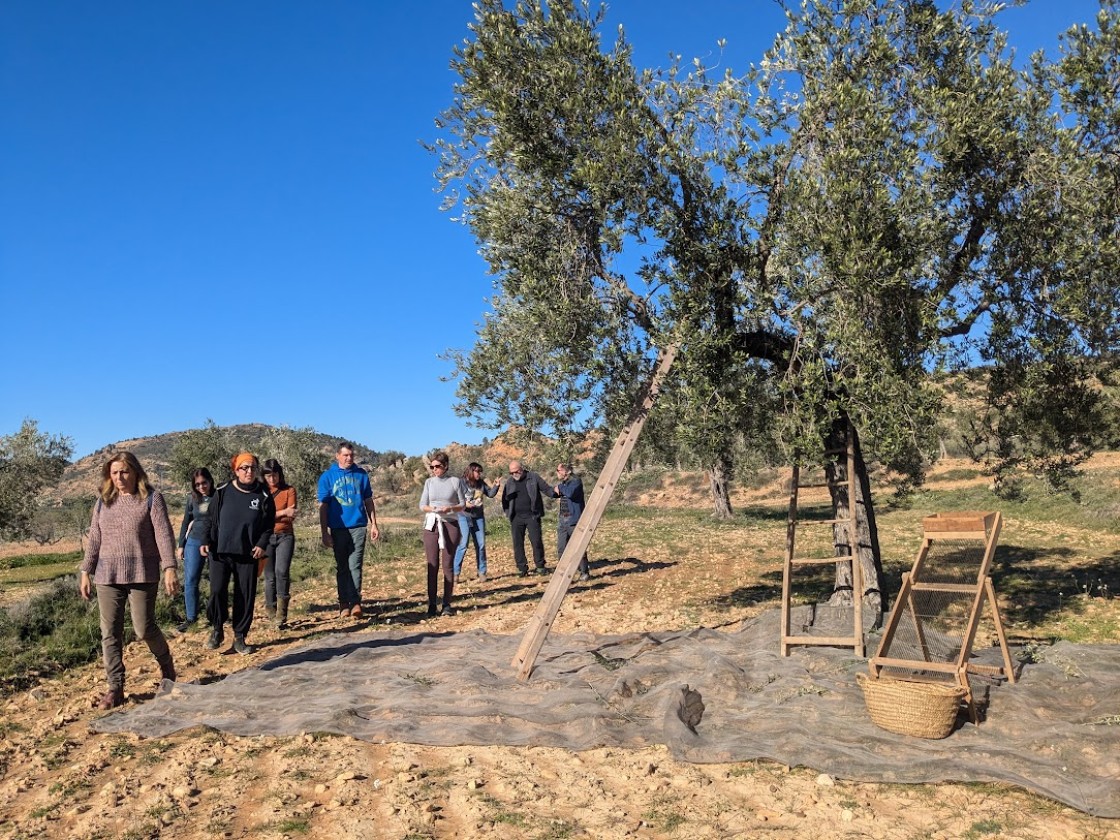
[[345, 510]]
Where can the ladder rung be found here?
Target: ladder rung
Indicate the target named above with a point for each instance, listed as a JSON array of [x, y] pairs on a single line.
[[848, 641], [812, 561]]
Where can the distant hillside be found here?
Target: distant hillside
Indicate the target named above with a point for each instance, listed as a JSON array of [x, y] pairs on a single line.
[[81, 478]]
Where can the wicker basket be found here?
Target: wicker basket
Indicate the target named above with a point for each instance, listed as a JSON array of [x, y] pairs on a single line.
[[924, 710]]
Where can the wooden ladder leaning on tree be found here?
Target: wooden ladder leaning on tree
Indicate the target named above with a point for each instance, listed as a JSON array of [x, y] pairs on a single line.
[[792, 561], [549, 605]]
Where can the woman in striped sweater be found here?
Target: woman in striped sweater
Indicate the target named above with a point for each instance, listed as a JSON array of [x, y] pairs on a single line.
[[130, 542]]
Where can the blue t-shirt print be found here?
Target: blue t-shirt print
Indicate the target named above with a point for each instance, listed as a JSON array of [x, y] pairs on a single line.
[[346, 491]]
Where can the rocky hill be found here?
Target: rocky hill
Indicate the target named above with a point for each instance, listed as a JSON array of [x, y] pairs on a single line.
[[82, 476]]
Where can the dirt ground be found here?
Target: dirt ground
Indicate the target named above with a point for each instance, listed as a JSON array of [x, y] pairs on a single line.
[[60, 779]]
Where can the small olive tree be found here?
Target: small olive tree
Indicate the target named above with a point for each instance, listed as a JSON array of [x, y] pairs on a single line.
[[30, 462]]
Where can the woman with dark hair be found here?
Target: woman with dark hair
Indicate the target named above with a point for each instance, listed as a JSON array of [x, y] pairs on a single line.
[[277, 569], [441, 500], [130, 541], [472, 521], [241, 518], [192, 534]]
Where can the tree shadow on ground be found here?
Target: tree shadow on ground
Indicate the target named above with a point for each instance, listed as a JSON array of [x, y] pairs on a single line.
[[324, 653], [512, 589], [766, 513], [1033, 584], [768, 589]]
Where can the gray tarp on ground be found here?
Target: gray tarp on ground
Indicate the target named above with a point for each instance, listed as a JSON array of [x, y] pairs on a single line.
[[1056, 731]]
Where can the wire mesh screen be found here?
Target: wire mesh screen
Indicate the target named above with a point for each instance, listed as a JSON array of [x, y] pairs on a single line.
[[953, 561], [931, 628]]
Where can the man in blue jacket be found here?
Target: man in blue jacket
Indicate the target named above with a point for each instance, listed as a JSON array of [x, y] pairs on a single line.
[[570, 493], [345, 510]]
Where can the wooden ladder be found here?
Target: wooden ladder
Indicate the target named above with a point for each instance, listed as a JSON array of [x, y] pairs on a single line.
[[541, 622], [855, 640]]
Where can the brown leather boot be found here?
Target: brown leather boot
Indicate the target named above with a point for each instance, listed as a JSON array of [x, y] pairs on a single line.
[[282, 613], [113, 697]]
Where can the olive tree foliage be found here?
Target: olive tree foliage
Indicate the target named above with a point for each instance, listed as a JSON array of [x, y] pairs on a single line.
[[31, 461], [300, 451], [212, 447], [301, 454], [567, 170], [884, 198]]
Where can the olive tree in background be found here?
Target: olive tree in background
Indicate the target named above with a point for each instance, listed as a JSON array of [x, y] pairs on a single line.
[[31, 461], [212, 447], [883, 199], [301, 453]]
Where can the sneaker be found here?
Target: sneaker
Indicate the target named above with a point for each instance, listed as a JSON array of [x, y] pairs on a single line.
[[523, 573], [456, 578], [215, 640], [541, 571], [584, 576], [242, 647], [184, 626], [447, 611], [482, 577], [356, 612], [167, 673], [343, 610]]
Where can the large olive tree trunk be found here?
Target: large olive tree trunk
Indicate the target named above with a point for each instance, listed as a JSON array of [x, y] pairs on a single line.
[[867, 551], [719, 477]]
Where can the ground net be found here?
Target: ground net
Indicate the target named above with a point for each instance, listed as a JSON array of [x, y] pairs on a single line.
[[708, 695]]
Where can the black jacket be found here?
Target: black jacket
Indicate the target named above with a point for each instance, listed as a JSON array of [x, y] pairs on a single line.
[[530, 483], [239, 521]]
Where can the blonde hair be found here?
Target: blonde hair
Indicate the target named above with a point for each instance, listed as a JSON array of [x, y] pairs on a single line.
[[109, 491]]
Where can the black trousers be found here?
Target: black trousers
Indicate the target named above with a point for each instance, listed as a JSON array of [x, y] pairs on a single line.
[[563, 534], [243, 570], [519, 525]]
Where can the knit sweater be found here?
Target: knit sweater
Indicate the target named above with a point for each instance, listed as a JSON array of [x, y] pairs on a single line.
[[129, 542]]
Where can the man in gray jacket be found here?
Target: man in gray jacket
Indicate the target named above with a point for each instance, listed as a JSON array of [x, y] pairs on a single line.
[[523, 497]]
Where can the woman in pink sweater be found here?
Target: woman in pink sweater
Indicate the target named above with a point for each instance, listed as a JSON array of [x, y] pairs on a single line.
[[130, 541]]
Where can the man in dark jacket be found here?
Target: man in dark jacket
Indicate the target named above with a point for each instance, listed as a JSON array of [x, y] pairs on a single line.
[[570, 493], [523, 497]]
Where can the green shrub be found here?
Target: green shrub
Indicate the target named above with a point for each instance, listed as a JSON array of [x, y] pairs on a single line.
[[53, 631]]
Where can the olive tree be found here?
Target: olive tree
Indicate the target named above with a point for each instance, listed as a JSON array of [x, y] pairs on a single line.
[[884, 198], [30, 462]]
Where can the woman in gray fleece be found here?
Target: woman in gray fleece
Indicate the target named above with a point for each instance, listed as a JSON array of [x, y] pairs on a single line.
[[441, 501]]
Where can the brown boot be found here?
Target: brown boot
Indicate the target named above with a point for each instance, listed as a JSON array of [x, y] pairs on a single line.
[[113, 697], [282, 613]]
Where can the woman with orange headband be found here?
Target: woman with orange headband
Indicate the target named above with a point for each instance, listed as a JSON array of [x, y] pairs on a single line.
[[242, 515]]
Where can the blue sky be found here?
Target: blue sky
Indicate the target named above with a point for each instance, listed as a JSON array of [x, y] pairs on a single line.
[[223, 210]]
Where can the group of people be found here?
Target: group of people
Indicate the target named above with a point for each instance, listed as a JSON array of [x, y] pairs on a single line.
[[454, 514], [245, 527], [242, 528], [237, 528]]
